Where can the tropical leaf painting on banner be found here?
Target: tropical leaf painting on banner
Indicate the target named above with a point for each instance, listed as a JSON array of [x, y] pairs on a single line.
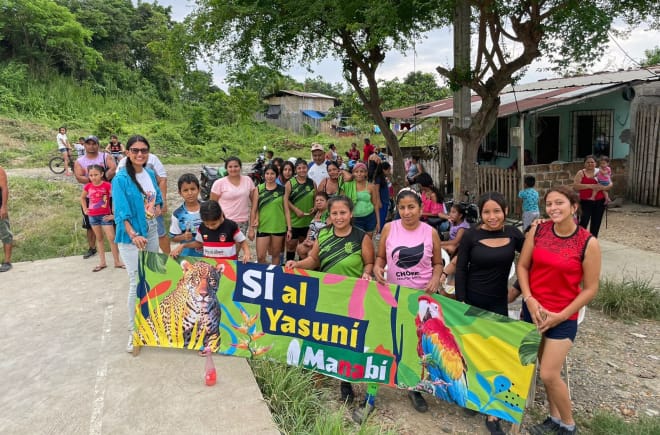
[[350, 329]]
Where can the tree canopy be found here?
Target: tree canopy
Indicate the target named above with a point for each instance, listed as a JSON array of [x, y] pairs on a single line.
[[357, 32], [510, 35]]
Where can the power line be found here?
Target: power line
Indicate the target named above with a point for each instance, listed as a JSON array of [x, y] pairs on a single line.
[[628, 56]]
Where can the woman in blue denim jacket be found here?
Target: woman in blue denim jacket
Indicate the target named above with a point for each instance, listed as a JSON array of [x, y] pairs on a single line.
[[137, 201]]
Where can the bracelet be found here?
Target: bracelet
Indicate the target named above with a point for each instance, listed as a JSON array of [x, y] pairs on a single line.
[[527, 298]]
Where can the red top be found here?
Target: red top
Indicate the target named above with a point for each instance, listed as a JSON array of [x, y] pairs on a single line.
[[556, 270], [367, 151], [353, 154], [99, 199], [585, 194]]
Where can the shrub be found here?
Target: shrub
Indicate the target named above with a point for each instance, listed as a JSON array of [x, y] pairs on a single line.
[[628, 299]]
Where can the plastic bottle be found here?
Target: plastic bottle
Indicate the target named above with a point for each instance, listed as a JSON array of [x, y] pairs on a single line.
[[210, 370]]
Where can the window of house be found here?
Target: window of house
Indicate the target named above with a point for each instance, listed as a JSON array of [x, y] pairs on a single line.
[[591, 133], [497, 140]]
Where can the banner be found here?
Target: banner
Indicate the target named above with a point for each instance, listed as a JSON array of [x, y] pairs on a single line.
[[351, 329]]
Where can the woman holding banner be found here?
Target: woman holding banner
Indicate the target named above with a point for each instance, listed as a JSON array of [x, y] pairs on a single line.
[[411, 250], [484, 260], [342, 249], [557, 256]]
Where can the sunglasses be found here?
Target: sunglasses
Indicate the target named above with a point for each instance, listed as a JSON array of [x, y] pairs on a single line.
[[139, 150]]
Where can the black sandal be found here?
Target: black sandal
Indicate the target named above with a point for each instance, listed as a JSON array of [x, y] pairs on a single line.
[[346, 391], [494, 427], [418, 401]]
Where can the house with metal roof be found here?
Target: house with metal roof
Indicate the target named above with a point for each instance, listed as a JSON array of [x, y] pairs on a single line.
[[565, 119], [293, 109]]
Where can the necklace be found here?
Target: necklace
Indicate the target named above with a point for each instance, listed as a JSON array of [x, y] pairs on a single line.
[[559, 233]]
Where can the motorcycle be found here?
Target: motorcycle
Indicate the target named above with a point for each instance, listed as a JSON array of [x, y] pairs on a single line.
[[209, 175], [257, 171]]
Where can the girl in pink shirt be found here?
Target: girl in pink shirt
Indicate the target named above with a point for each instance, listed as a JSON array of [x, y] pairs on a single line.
[[95, 202]]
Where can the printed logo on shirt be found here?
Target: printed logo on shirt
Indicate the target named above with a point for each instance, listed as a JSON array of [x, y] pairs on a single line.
[[406, 257], [348, 247], [223, 237]]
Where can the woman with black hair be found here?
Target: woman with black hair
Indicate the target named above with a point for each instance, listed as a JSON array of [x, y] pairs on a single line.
[[137, 203], [484, 260], [380, 179]]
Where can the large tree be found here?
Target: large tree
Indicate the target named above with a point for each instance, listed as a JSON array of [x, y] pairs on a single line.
[[359, 33], [511, 34]]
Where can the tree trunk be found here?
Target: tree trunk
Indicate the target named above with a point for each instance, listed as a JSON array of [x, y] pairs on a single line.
[[482, 122]]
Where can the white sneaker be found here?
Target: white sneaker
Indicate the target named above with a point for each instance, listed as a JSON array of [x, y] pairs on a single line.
[[129, 346]]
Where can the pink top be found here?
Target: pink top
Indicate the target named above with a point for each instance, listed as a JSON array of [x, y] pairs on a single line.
[[99, 199], [430, 206], [409, 255], [604, 175], [234, 200]]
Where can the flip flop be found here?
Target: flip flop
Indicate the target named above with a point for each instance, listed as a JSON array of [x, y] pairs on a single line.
[[123, 266], [98, 268]]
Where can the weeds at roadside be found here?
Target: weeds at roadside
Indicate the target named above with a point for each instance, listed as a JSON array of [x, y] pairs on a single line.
[[299, 405], [631, 298], [45, 219], [606, 424]]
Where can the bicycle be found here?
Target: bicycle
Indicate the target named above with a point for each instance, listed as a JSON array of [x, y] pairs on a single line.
[[56, 164]]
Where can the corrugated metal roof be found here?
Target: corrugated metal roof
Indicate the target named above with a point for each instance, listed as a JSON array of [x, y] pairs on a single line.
[[605, 77], [300, 94], [536, 96]]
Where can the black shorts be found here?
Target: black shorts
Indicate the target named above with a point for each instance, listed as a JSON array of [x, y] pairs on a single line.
[[566, 329], [299, 233], [259, 234], [85, 221]]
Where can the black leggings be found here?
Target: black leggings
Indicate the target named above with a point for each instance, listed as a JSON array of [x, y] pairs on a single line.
[[592, 211]]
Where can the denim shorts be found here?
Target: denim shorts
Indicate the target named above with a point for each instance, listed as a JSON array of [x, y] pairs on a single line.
[[566, 329], [366, 223], [96, 221], [160, 222]]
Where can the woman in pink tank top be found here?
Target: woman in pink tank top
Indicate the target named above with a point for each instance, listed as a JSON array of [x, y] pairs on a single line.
[[411, 250]]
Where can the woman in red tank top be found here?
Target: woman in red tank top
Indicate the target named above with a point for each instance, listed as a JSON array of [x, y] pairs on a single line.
[[592, 208], [557, 256]]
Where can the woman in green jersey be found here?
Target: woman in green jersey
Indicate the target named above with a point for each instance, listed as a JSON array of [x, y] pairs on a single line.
[[342, 249], [271, 218], [299, 197]]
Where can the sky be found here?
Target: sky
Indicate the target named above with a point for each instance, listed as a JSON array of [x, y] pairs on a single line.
[[436, 49]]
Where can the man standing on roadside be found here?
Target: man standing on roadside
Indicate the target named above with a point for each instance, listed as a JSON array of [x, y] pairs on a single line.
[[318, 170], [154, 163], [92, 157], [5, 234]]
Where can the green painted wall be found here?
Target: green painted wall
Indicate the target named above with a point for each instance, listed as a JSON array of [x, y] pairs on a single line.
[[620, 121]]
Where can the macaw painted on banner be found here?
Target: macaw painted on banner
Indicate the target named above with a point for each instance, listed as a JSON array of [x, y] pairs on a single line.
[[350, 329]]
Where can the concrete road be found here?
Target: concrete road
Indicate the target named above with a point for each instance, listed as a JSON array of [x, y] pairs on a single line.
[[64, 368]]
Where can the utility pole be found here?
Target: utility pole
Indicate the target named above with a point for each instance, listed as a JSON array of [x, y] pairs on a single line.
[[462, 110]]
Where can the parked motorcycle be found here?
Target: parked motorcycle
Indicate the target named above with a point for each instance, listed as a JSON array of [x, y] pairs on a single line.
[[208, 176], [257, 171]]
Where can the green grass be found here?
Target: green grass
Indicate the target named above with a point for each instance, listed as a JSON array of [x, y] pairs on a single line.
[[45, 219], [631, 298], [300, 406], [606, 424]]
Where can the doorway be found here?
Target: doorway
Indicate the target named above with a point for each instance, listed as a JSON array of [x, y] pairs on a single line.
[[547, 139]]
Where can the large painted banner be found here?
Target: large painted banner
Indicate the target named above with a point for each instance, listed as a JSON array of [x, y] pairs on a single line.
[[351, 329]]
